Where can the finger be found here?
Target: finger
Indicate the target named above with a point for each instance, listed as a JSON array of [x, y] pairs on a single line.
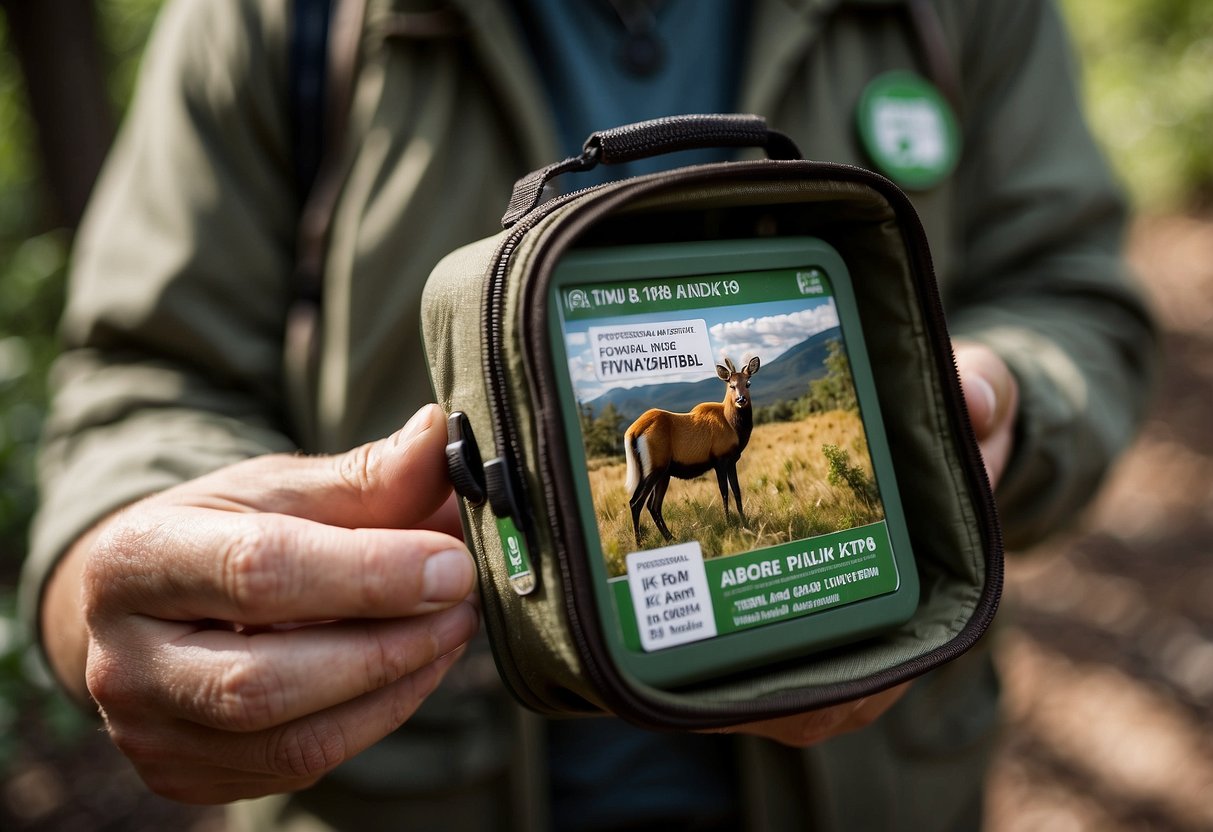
[[802, 730], [393, 483], [990, 388], [268, 569], [981, 403], [201, 765], [992, 396], [241, 683], [446, 519], [812, 727], [205, 785]]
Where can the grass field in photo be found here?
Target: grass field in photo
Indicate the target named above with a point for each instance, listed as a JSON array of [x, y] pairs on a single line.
[[786, 491]]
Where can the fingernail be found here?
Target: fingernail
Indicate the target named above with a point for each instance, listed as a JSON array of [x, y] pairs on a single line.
[[448, 575], [982, 390]]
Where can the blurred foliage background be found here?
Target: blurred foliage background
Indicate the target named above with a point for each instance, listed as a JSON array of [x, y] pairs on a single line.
[[1147, 70], [36, 223], [1148, 77]]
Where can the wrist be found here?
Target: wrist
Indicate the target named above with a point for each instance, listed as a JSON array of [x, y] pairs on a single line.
[[62, 628]]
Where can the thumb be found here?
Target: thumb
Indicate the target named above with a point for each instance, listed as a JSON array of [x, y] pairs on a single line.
[[392, 483], [988, 385], [396, 482], [981, 401], [992, 395]]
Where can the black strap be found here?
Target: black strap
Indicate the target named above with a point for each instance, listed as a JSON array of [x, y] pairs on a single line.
[[324, 40], [652, 138], [933, 46], [308, 69]]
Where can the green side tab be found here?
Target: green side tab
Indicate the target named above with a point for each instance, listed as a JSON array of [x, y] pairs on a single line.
[[517, 559]]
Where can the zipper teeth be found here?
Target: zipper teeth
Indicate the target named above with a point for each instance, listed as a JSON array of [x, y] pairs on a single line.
[[674, 714], [929, 297], [504, 432], [603, 674]]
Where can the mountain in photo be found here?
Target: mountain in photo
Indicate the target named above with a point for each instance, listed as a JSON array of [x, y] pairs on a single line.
[[787, 377]]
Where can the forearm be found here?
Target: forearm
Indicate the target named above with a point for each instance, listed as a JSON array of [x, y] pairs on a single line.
[[1085, 371], [173, 327], [1041, 280]]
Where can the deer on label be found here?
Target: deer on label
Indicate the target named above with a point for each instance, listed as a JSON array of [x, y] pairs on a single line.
[[661, 444]]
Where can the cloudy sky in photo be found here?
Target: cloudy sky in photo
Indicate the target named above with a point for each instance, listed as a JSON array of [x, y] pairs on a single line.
[[766, 330]]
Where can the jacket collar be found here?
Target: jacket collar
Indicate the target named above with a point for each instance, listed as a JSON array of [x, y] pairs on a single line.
[[782, 31]]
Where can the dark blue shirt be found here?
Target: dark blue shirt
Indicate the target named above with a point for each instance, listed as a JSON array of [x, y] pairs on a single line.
[[606, 774], [580, 48]]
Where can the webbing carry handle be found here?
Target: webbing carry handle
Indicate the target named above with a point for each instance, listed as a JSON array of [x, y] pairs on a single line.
[[652, 138]]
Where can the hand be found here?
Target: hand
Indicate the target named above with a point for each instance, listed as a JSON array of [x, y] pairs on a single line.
[[812, 727], [992, 396], [251, 629]]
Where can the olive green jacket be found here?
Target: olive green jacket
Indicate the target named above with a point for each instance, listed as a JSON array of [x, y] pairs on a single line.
[[182, 276]]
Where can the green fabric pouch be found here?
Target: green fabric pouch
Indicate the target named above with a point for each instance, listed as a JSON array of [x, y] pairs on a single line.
[[517, 461]]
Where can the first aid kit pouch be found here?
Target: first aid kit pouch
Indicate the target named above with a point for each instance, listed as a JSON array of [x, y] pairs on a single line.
[[712, 453]]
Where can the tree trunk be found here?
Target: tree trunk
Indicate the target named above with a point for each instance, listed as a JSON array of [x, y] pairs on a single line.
[[61, 59]]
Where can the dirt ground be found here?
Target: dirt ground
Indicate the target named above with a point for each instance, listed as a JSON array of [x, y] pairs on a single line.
[[1108, 662], [1107, 652]]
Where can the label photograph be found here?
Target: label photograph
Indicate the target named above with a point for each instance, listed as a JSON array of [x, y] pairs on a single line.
[[727, 457]]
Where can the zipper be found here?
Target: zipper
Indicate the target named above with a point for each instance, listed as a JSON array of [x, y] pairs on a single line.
[[505, 441], [579, 602], [506, 492]]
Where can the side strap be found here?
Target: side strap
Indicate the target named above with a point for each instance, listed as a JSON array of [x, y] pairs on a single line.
[[344, 39], [322, 89], [308, 54], [933, 46]]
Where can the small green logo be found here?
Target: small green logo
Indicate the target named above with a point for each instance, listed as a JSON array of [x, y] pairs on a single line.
[[809, 282], [908, 130], [577, 299], [517, 561]]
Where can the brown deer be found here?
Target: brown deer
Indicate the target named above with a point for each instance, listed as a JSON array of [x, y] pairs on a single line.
[[661, 444]]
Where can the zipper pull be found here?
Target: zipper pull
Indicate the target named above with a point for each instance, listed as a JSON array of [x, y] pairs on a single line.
[[475, 481]]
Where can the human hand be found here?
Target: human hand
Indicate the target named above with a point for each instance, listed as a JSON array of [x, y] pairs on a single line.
[[992, 396], [251, 629], [812, 727]]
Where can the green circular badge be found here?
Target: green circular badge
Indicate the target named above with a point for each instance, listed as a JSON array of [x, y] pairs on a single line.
[[908, 130]]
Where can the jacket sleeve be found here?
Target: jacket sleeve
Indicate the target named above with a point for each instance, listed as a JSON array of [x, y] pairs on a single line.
[[180, 279], [1043, 282]]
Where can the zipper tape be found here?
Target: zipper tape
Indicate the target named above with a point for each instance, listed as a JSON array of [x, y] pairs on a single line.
[[622, 697]]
